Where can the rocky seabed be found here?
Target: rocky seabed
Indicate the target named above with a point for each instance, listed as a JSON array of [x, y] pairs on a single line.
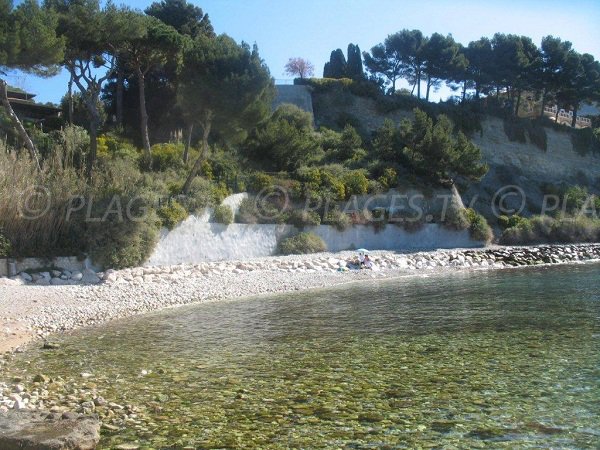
[[116, 294]]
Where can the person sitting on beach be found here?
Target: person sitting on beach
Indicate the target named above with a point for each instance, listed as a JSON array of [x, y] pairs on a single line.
[[366, 263]]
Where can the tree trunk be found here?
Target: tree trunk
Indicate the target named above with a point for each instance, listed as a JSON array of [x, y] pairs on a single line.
[[543, 103], [70, 94], [518, 105], [556, 116], [120, 87], [464, 92], [206, 132], [18, 125], [574, 120], [188, 143], [428, 88], [94, 124], [143, 114], [393, 86], [418, 84]]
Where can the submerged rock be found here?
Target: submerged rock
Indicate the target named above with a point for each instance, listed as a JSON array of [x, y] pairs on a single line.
[[29, 430]]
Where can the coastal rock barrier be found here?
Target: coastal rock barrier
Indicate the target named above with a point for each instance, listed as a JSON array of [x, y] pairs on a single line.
[[496, 257]]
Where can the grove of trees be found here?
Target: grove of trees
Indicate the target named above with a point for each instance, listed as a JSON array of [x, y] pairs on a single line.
[[506, 63]]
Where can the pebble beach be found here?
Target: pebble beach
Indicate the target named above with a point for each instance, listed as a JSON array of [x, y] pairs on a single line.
[[29, 311]]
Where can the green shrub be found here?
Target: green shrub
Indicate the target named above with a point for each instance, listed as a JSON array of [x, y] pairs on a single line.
[[302, 218], [337, 219], [167, 156], [356, 183], [302, 243], [172, 214], [259, 181], [545, 229], [509, 222], [5, 248], [456, 218], [479, 229], [223, 214], [389, 179], [117, 245]]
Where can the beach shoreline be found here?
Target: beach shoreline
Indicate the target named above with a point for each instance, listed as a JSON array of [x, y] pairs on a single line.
[[30, 314]]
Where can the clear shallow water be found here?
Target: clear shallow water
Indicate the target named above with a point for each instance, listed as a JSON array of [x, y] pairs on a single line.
[[502, 359]]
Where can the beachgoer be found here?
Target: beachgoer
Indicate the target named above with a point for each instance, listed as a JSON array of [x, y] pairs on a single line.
[[367, 264]]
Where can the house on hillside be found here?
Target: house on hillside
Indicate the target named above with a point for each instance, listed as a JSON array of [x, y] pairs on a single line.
[[27, 109]]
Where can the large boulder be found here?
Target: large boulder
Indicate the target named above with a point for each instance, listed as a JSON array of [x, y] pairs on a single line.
[[38, 430]]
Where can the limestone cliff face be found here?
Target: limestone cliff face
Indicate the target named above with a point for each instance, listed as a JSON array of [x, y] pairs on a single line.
[[560, 162]]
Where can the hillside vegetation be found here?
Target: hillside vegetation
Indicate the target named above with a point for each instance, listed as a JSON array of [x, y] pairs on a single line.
[[174, 117]]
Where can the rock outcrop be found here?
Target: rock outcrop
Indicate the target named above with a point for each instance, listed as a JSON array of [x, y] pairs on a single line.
[[38, 430]]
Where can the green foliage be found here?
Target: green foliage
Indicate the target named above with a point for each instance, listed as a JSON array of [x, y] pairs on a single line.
[[389, 179], [337, 219], [118, 245], [172, 214], [456, 218], [586, 140], [356, 183], [167, 156], [223, 214], [510, 221], [343, 147], [518, 130], [259, 181], [301, 218], [185, 17], [284, 142], [432, 150], [479, 229], [545, 229], [302, 243], [5, 246]]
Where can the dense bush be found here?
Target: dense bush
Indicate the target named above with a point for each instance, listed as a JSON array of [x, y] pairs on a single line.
[[337, 219], [223, 214], [509, 221], [455, 218], [259, 181], [128, 243], [301, 218], [389, 179], [302, 243], [356, 183], [172, 214], [479, 229], [167, 156], [285, 142], [545, 229], [5, 248]]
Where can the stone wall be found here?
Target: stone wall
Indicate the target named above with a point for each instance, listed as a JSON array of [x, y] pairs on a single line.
[[296, 95], [196, 241], [70, 263]]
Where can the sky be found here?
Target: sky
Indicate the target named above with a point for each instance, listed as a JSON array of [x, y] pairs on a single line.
[[311, 29]]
